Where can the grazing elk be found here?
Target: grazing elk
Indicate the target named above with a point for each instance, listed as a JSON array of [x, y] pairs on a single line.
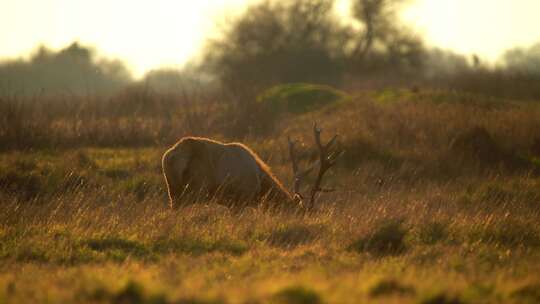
[[231, 171]]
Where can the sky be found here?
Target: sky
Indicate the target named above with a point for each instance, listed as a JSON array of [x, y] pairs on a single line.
[[167, 33], [486, 28]]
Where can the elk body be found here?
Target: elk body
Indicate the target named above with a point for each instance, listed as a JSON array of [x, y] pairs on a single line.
[[208, 168], [205, 168]]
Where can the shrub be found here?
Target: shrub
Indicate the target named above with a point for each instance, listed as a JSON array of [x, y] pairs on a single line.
[[432, 232], [389, 287], [476, 145], [131, 293], [441, 298], [386, 238], [26, 184], [296, 295]]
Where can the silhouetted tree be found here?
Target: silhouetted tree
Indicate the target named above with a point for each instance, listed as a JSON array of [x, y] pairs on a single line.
[[278, 42], [73, 69], [382, 42], [305, 41], [185, 80], [523, 60]]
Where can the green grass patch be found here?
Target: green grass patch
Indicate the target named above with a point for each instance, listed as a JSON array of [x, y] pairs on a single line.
[[42, 175], [118, 249], [195, 246], [68, 250], [299, 97], [390, 95], [143, 185], [32, 255], [290, 236]]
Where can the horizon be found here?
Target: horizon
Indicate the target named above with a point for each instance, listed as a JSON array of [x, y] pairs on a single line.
[[453, 26]]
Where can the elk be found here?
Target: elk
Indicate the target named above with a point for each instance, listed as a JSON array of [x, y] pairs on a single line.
[[206, 168]]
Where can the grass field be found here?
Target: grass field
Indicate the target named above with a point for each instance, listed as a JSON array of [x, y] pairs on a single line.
[[438, 201]]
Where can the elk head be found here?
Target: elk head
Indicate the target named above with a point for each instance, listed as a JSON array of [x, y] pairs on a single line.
[[327, 155]]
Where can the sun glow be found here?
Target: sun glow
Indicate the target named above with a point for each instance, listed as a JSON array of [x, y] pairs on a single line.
[[483, 27], [153, 34], [145, 34]]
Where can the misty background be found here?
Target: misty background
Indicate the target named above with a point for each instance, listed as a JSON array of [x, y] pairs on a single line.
[[276, 42]]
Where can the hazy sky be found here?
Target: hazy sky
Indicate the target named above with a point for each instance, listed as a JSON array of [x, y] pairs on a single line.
[[150, 34]]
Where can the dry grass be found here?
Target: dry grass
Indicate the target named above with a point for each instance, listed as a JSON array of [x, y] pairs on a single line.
[[83, 245], [413, 220]]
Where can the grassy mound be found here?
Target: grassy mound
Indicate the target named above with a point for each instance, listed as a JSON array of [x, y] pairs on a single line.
[[299, 97], [478, 146]]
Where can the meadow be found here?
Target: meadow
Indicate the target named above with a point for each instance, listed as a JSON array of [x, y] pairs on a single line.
[[437, 201]]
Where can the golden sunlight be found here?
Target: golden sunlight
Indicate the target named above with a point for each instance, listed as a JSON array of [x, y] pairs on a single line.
[[483, 27], [153, 34], [146, 34]]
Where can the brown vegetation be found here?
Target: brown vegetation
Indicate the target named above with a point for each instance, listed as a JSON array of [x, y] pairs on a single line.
[[84, 213], [437, 192]]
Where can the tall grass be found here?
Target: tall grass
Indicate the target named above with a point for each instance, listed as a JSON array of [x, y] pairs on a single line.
[[416, 218]]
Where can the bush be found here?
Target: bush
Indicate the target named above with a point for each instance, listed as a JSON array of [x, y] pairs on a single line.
[[278, 42], [296, 295], [441, 298], [25, 184], [432, 232], [477, 144], [389, 287], [386, 238]]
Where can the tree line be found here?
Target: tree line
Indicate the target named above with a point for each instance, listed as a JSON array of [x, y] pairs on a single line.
[[283, 41]]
